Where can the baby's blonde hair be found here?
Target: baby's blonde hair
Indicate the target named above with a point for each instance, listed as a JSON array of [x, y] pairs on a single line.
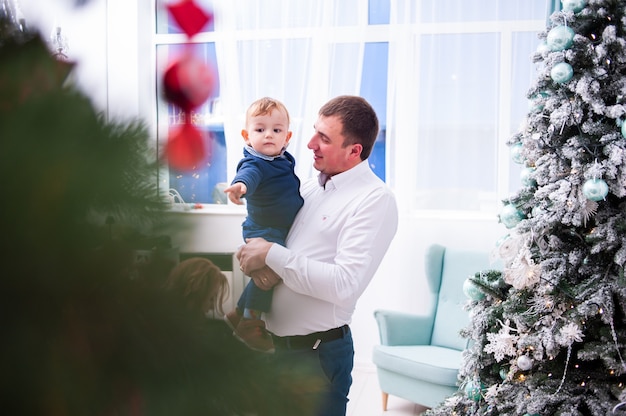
[[264, 106], [196, 278]]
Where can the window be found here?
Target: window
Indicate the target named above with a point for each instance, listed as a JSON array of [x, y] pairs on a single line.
[[447, 79]]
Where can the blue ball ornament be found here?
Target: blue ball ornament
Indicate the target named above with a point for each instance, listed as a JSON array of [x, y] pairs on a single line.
[[561, 73], [560, 37], [537, 102], [574, 5], [510, 216], [543, 48], [474, 390], [516, 153], [472, 291], [526, 177], [595, 189], [623, 129]]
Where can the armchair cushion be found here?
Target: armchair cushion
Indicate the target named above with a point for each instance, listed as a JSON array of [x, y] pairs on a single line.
[[434, 364]]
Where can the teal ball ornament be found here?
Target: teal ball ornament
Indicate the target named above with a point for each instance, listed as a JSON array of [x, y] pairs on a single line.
[[472, 291], [561, 73], [526, 176], [516, 153], [623, 129], [574, 5], [510, 216], [537, 102], [543, 48], [560, 38], [595, 189], [474, 390]]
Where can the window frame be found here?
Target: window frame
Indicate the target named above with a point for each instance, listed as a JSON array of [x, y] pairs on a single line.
[[400, 140]]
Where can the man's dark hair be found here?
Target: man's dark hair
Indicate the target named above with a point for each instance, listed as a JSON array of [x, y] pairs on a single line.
[[359, 120]]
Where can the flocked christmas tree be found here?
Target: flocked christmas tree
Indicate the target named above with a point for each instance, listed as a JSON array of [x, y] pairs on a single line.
[[548, 331]]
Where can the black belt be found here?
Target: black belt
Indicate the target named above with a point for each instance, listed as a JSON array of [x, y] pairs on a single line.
[[297, 342]]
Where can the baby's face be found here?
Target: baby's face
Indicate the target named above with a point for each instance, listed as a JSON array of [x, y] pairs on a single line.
[[268, 133]]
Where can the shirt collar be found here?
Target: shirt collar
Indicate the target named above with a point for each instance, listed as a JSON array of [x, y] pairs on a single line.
[[344, 177], [253, 152]]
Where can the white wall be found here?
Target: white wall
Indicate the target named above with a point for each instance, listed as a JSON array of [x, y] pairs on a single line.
[[85, 30], [108, 70]]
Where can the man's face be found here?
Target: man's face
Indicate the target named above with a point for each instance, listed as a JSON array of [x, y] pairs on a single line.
[[329, 154]]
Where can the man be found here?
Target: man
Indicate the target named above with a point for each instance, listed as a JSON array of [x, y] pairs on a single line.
[[335, 245]]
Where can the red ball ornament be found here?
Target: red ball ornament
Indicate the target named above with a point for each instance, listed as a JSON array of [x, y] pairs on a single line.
[[185, 148], [190, 17], [188, 82]]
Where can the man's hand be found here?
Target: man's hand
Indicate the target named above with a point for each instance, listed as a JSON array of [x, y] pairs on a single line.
[[252, 255], [265, 278], [235, 192]]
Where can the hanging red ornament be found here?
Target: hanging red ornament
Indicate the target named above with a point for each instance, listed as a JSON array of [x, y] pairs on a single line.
[[185, 148], [188, 82], [189, 16]]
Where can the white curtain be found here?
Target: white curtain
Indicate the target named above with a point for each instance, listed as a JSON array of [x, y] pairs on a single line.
[[286, 50], [455, 73]]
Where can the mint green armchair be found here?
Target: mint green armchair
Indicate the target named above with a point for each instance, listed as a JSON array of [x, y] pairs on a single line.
[[419, 357]]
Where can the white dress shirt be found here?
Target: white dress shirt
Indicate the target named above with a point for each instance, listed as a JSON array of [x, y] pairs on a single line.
[[335, 245]]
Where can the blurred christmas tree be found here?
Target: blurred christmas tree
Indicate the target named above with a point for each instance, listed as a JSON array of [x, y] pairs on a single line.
[[549, 331], [82, 332]]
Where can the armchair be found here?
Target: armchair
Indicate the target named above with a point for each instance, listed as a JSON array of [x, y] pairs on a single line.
[[419, 356]]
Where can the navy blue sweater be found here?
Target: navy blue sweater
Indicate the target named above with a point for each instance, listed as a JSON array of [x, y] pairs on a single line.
[[273, 195]]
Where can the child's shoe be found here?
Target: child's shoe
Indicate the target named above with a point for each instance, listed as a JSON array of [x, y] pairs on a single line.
[[255, 336]]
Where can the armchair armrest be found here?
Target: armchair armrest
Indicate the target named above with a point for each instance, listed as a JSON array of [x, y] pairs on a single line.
[[399, 328]]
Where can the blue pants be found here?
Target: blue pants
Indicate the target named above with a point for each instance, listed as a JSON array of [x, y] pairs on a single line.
[[254, 298], [331, 364]]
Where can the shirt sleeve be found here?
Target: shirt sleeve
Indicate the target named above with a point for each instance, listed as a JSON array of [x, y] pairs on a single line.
[[363, 241]]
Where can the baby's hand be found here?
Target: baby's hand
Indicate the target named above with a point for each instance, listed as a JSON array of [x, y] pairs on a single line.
[[235, 192]]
